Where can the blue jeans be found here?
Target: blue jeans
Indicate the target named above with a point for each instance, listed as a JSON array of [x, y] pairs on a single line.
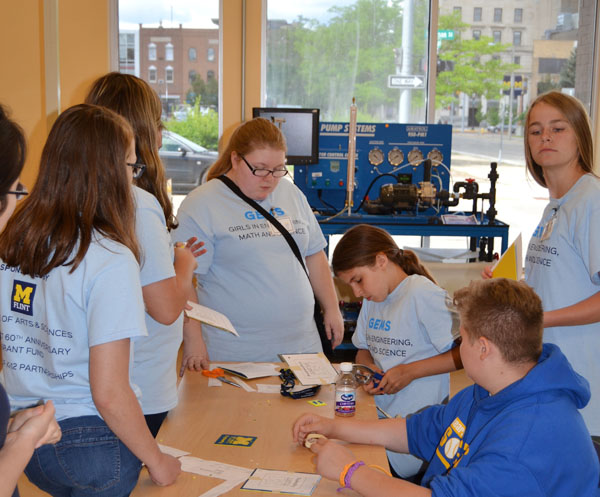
[[89, 460]]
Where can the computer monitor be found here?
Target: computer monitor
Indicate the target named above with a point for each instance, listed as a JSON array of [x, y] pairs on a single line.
[[300, 127]]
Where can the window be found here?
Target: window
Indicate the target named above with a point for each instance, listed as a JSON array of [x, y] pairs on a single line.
[[518, 15], [458, 10], [497, 36], [127, 53], [517, 60], [477, 14], [169, 51], [152, 74], [517, 38], [169, 74], [476, 34], [192, 55], [497, 15], [151, 51], [210, 54], [210, 75], [191, 76]]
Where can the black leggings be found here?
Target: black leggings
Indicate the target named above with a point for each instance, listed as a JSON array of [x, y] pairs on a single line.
[[154, 421]]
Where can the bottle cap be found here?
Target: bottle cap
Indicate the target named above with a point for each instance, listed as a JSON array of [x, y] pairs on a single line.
[[346, 367]]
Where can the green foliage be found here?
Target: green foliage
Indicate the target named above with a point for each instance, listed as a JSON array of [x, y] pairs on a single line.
[[208, 92], [202, 127], [492, 116], [476, 70], [567, 74]]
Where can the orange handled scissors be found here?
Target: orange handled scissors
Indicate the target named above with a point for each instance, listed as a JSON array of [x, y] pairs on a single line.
[[219, 374]]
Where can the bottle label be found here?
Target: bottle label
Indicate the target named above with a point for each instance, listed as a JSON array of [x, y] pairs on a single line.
[[345, 402]]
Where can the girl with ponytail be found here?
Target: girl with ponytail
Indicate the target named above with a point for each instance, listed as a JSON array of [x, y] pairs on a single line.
[[404, 329]]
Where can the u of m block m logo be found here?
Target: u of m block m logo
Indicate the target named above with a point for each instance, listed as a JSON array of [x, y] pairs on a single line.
[[22, 297]]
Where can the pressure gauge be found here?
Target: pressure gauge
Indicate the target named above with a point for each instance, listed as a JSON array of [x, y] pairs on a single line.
[[375, 156], [415, 156], [435, 156], [395, 156]]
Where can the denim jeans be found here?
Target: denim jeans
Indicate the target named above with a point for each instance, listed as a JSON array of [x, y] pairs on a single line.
[[89, 460]]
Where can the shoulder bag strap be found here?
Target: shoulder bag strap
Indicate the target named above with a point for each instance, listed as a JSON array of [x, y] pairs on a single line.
[[268, 216]]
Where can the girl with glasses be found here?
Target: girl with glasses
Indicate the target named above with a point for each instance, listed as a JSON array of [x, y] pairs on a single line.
[[249, 272], [166, 271], [29, 428], [70, 291]]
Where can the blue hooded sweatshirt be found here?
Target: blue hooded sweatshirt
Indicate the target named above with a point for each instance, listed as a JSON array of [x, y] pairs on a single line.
[[528, 440]]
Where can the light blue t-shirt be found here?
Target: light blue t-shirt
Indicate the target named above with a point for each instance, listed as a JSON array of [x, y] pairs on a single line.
[[411, 324], [155, 360], [50, 323], [563, 270], [250, 274]]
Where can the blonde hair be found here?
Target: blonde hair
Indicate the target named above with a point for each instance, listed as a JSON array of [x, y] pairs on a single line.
[[247, 137], [137, 102], [577, 117]]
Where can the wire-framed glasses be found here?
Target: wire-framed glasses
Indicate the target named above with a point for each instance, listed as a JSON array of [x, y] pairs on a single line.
[[262, 173], [20, 191], [138, 169]]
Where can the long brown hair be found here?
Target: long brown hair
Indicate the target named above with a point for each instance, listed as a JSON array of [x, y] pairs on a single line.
[[248, 136], [133, 98], [82, 187], [577, 117], [12, 155], [360, 245]]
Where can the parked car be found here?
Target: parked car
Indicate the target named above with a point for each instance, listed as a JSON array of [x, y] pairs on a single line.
[[504, 127], [185, 162]]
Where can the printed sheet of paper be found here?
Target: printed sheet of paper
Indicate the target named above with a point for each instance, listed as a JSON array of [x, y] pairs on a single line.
[[266, 480], [172, 451], [311, 369], [210, 316], [233, 475]]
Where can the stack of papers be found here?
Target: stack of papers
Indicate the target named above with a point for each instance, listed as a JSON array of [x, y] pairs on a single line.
[[311, 369]]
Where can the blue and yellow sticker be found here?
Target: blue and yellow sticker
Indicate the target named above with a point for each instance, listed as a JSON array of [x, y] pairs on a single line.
[[237, 440]]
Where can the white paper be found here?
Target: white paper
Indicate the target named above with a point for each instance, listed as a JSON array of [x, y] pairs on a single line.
[[210, 316], [172, 451], [213, 382], [242, 383], [266, 480], [214, 469], [311, 369], [268, 388], [251, 370], [224, 487]]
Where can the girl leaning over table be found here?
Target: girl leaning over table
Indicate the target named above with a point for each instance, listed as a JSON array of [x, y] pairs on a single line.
[[71, 295], [404, 329]]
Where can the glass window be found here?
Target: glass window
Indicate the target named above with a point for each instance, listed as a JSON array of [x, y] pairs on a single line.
[[518, 15], [458, 10], [497, 36], [210, 75], [517, 38], [477, 14], [497, 15], [169, 74], [152, 51], [517, 60], [187, 29], [476, 34], [322, 54], [210, 54]]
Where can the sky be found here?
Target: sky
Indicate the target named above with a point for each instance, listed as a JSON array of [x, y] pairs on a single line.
[[198, 13]]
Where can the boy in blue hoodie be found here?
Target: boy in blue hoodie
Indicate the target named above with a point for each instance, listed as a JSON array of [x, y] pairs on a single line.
[[516, 432]]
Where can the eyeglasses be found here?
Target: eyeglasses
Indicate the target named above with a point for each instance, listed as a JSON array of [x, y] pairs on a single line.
[[138, 169], [20, 192], [288, 382], [263, 173]]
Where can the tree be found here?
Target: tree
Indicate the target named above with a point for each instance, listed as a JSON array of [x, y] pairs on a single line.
[[567, 73], [477, 68], [208, 92], [201, 126]]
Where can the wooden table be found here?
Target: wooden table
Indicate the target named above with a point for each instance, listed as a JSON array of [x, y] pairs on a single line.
[[204, 414]]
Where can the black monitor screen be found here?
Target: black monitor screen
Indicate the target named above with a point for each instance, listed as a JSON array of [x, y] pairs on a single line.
[[300, 128]]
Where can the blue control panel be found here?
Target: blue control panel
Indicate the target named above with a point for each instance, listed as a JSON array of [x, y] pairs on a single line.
[[386, 153]]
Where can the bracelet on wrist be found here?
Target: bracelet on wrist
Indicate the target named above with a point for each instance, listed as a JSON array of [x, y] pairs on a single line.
[[347, 472]]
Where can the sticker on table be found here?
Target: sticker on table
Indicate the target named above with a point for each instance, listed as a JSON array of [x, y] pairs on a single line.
[[237, 440], [316, 403]]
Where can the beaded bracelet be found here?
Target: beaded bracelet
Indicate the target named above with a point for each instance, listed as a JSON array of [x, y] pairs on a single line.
[[347, 472]]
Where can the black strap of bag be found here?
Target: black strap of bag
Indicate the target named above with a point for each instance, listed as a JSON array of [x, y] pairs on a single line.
[[318, 314]]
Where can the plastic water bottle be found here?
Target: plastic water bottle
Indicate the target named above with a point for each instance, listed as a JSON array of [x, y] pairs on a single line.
[[345, 391]]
